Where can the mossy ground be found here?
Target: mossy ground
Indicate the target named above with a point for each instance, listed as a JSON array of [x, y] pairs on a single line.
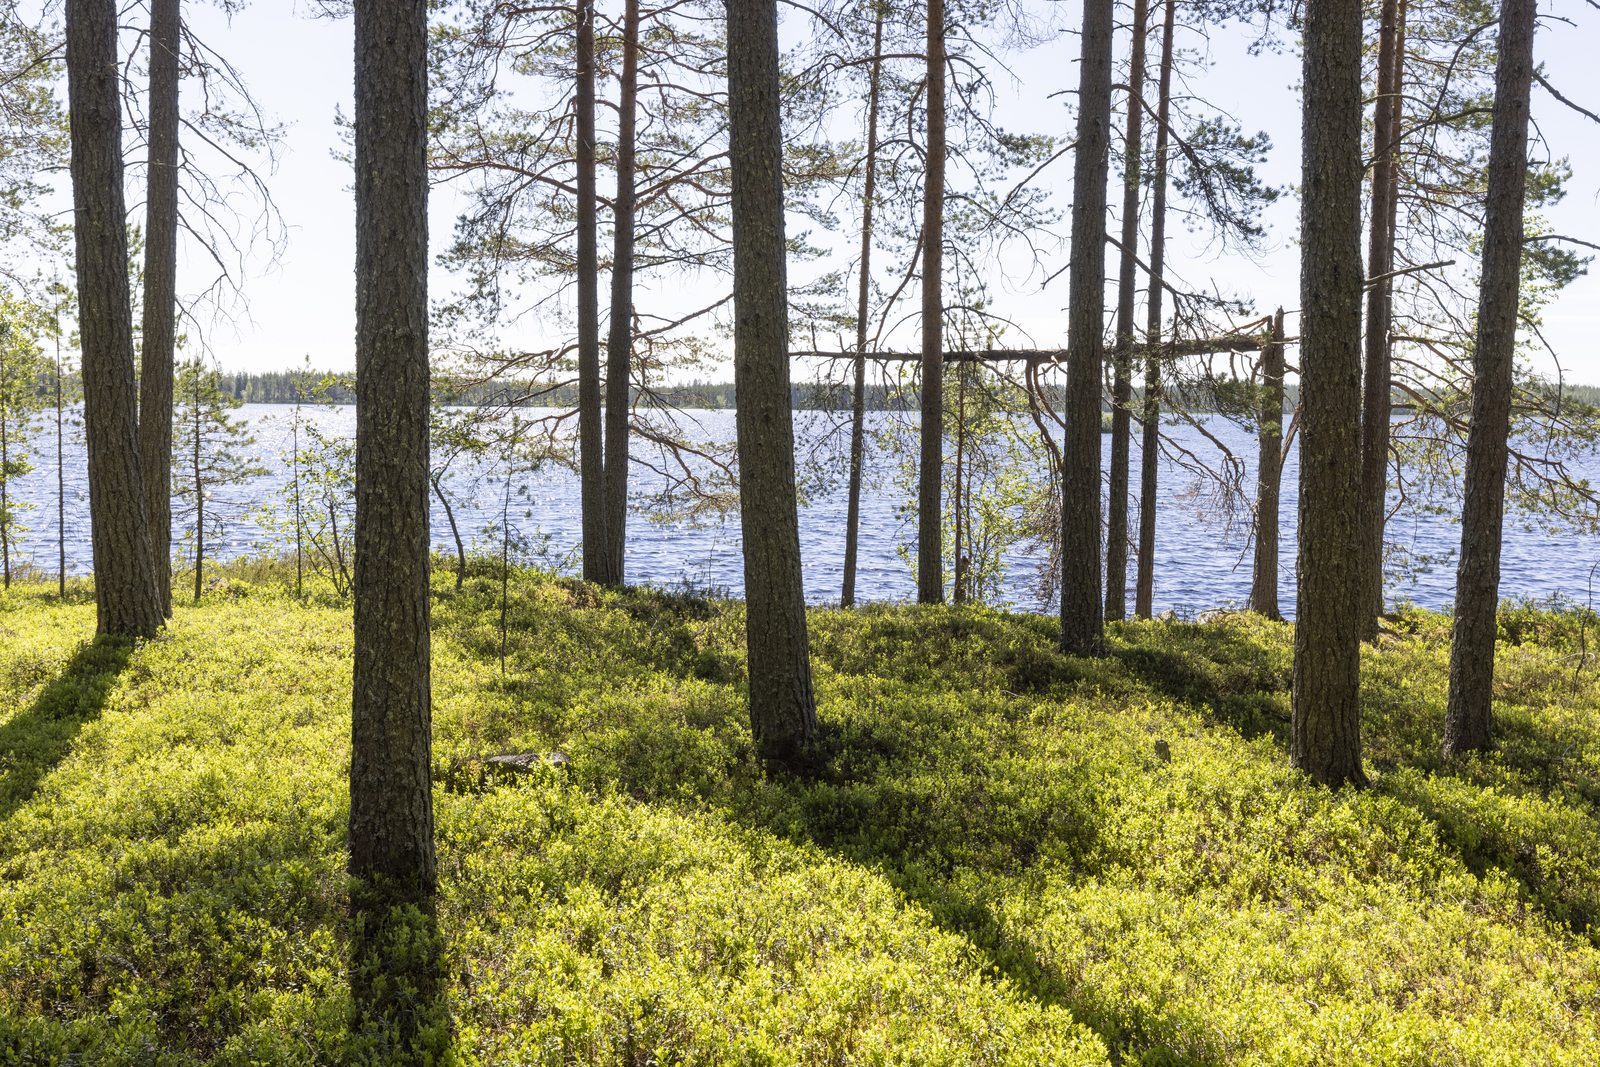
[[987, 862]]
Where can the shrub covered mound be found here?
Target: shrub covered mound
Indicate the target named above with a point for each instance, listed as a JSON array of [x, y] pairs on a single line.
[[990, 859]]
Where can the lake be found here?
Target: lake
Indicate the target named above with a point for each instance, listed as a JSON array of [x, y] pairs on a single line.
[[1199, 561]]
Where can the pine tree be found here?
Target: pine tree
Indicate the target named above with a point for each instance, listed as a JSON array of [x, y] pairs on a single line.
[[207, 445], [20, 368]]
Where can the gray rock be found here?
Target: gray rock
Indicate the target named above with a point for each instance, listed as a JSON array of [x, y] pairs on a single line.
[[525, 762], [1163, 752]]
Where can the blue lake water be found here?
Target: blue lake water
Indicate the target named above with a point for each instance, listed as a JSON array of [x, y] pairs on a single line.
[[1200, 561]]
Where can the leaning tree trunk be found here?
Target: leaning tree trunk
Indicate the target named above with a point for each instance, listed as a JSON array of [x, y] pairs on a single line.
[[394, 972], [1149, 467], [1326, 739], [1082, 622], [591, 461], [858, 398], [619, 340], [1269, 478], [160, 290], [1375, 402], [1121, 381], [1467, 723], [126, 600], [930, 505], [783, 713]]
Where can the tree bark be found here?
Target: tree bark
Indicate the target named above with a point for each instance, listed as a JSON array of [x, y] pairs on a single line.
[[1468, 719], [1326, 739], [619, 340], [160, 290], [1375, 401], [1269, 478], [61, 476], [591, 460], [126, 600], [858, 402], [1082, 622], [1121, 382], [199, 497], [930, 505], [395, 985], [1149, 464], [783, 714]]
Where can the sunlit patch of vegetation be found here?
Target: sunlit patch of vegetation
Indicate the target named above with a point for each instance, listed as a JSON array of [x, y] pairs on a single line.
[[989, 859]]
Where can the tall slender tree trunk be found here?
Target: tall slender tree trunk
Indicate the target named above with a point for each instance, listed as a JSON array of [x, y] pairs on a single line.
[[858, 395], [1082, 621], [930, 517], [394, 972], [1468, 722], [1269, 478], [1122, 375], [199, 498], [1375, 401], [61, 477], [783, 713], [160, 290], [591, 460], [1326, 739], [958, 588], [126, 600], [619, 341], [5, 494], [1149, 466]]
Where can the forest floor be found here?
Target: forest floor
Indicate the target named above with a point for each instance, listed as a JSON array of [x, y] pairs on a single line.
[[991, 860]]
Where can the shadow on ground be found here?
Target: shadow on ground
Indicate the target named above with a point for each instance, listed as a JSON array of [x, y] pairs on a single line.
[[34, 741]]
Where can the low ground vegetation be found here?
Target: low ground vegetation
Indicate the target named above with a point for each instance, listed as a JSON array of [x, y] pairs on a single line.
[[990, 859]]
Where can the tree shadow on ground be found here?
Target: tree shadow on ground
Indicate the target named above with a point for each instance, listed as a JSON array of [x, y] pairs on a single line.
[[1226, 672], [34, 741]]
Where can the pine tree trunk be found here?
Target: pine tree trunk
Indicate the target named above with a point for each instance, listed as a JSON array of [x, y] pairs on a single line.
[[1082, 622], [930, 504], [783, 714], [1326, 741], [858, 398], [1468, 720], [1375, 401], [1149, 460], [1269, 478], [1122, 375], [5, 491], [126, 599], [619, 341], [61, 478], [199, 498], [160, 290], [395, 985], [591, 460]]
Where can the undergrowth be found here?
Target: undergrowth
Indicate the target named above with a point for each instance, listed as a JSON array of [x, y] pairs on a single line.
[[990, 859]]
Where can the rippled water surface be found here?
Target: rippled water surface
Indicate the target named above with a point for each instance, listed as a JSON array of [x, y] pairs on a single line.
[[1199, 561]]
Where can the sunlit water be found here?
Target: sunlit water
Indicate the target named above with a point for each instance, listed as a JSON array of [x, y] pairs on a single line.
[[1200, 562]]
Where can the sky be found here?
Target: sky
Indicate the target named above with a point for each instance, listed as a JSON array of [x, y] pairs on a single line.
[[301, 304]]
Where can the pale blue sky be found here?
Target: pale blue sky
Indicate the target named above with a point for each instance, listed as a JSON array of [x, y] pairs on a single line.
[[300, 71]]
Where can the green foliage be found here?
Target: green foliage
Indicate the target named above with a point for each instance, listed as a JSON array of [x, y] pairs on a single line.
[[988, 862], [312, 521], [206, 456], [20, 369]]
